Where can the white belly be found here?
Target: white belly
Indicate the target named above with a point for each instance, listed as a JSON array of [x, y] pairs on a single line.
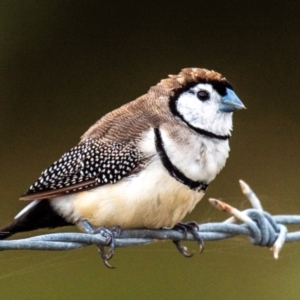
[[150, 199]]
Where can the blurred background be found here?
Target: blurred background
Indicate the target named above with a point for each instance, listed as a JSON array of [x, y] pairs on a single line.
[[64, 64]]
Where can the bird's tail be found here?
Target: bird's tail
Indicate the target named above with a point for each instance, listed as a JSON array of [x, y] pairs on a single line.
[[40, 215]]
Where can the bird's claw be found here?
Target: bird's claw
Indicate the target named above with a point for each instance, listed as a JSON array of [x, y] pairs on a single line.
[[110, 235], [190, 227], [182, 249], [105, 257]]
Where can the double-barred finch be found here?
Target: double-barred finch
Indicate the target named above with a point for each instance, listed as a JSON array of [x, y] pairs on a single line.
[[144, 165]]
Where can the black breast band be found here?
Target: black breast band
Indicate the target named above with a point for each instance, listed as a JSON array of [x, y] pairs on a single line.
[[173, 170]]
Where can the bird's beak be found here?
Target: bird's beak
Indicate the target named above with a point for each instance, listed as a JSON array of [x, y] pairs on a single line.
[[231, 102]]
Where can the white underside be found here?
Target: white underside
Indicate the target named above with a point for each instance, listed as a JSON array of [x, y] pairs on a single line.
[[150, 198]]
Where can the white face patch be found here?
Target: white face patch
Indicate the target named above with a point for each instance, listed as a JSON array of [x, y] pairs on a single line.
[[204, 114]]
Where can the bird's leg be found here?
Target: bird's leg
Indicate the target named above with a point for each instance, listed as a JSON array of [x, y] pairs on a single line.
[[190, 227], [109, 234]]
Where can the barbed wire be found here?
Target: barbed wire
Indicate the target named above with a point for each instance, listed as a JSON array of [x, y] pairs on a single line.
[[259, 226]]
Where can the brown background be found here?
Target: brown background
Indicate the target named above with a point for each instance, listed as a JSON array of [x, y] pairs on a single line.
[[63, 64]]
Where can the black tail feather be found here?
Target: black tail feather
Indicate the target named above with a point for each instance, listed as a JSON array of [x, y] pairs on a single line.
[[42, 215]]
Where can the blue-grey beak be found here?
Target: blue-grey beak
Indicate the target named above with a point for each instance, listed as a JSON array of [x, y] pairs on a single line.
[[231, 102]]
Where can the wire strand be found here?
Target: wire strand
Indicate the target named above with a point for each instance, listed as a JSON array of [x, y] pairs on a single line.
[[259, 226]]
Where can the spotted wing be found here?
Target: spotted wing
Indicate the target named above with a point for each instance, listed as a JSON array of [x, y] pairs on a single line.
[[85, 166]]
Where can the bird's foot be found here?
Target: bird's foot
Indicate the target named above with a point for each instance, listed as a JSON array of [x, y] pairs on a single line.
[[190, 227], [110, 235]]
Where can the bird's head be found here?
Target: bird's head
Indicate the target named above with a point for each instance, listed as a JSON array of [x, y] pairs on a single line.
[[203, 99]]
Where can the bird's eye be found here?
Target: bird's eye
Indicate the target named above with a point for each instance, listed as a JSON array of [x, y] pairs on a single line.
[[203, 95]]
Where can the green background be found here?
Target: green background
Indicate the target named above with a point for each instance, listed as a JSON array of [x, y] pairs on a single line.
[[63, 64]]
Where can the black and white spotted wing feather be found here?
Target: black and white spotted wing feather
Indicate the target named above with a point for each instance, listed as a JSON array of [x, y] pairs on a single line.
[[90, 164]]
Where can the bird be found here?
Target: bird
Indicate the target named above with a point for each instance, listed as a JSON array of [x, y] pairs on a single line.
[[144, 165]]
